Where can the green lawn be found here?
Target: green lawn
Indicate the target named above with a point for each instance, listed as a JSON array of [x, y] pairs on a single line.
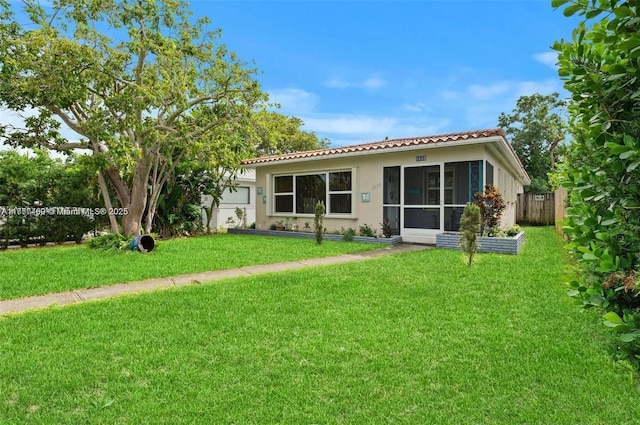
[[43, 270], [417, 338]]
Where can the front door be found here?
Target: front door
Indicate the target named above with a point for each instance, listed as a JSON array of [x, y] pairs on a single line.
[[422, 202]]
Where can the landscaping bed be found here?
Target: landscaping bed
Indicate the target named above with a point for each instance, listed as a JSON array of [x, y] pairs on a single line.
[[499, 245], [309, 235]]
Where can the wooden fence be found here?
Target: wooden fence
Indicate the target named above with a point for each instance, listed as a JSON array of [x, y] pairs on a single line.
[[538, 209], [543, 209], [561, 207]]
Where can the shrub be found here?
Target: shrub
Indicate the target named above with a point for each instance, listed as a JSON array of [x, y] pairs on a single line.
[[349, 234], [386, 228], [491, 207], [619, 295], [513, 230], [110, 241], [469, 224], [366, 230], [317, 222], [509, 233]]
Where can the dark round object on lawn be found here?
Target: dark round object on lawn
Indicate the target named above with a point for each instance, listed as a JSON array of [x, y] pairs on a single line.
[[143, 243]]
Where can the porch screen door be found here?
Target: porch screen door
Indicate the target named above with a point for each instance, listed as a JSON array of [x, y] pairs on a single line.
[[422, 197], [391, 200]]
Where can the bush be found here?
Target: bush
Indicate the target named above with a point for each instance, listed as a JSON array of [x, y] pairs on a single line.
[[349, 234], [513, 230], [110, 241], [386, 228], [509, 233], [491, 207], [366, 230]]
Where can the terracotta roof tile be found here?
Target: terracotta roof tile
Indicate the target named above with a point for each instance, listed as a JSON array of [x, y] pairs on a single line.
[[385, 144]]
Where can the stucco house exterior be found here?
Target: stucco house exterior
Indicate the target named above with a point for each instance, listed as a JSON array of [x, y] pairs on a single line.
[[243, 196], [420, 184]]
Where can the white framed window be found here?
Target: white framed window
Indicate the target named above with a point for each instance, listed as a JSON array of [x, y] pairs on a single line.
[[239, 195], [299, 193]]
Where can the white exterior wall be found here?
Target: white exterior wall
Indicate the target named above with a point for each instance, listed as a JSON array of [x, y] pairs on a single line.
[[247, 178]]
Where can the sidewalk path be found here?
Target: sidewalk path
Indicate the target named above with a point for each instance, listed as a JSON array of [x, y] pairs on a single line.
[[82, 295]]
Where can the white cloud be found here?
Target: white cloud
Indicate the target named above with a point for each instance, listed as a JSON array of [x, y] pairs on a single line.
[[373, 83], [370, 83], [438, 109], [336, 82], [547, 58], [294, 101], [346, 124], [416, 107], [527, 88], [344, 130]]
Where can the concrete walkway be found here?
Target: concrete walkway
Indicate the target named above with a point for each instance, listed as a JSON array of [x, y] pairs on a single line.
[[82, 295]]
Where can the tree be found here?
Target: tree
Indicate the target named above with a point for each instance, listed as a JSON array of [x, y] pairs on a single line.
[[279, 134], [318, 227], [157, 89], [38, 193], [469, 226], [536, 127]]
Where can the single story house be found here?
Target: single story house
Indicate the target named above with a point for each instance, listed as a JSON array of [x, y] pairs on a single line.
[[420, 184]]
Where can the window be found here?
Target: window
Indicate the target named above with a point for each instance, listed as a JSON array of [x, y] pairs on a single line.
[[340, 192], [240, 195], [309, 190], [300, 193], [284, 193], [489, 177]]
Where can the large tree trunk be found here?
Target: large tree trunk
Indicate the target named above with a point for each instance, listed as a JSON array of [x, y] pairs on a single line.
[[115, 228], [132, 221]]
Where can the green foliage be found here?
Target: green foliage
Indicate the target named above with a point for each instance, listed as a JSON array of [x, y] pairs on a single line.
[[143, 85], [469, 225], [602, 173], [178, 206], [366, 230], [241, 215], [349, 234], [38, 183], [318, 226], [277, 134], [491, 207], [110, 241], [536, 127], [510, 232]]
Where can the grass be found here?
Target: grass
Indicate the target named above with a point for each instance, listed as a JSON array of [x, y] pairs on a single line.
[[414, 338], [44, 270]]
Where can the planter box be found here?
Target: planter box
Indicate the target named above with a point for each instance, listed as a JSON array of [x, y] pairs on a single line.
[[497, 245], [309, 235]]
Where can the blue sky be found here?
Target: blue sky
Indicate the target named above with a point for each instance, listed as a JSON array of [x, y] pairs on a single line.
[[360, 71]]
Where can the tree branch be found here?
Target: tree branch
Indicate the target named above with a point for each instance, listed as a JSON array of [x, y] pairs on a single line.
[[73, 125]]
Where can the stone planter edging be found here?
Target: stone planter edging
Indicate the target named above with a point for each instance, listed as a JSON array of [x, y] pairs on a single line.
[[486, 244], [309, 235]]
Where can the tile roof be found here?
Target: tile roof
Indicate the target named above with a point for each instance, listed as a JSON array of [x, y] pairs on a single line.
[[385, 144]]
